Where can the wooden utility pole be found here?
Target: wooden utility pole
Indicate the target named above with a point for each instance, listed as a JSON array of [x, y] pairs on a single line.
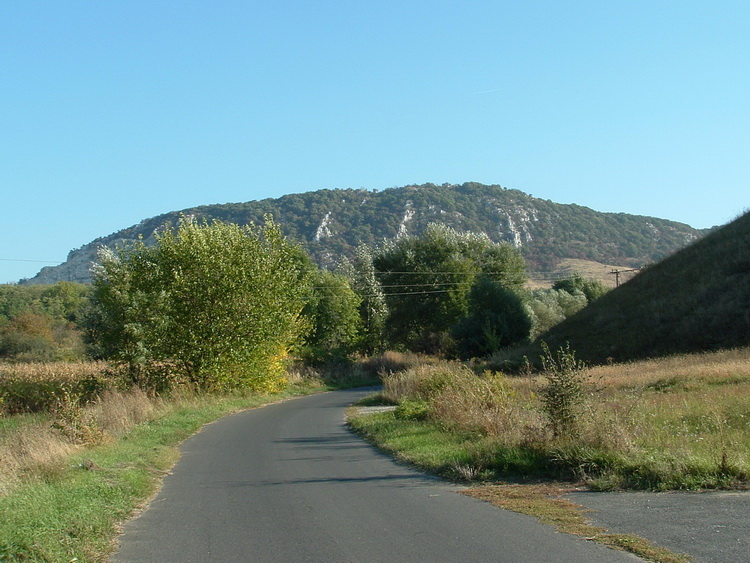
[[618, 272]]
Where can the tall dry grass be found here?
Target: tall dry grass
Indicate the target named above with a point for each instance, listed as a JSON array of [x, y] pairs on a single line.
[[682, 421], [687, 370], [39, 386], [35, 446], [462, 401]]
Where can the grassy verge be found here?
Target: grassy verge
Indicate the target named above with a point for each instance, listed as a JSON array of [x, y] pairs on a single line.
[[678, 423], [67, 506]]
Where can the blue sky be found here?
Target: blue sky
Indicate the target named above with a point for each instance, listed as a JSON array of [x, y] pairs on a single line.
[[113, 112]]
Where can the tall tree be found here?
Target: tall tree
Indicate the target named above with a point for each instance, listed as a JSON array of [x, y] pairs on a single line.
[[427, 279], [218, 302], [497, 319], [372, 307], [332, 311]]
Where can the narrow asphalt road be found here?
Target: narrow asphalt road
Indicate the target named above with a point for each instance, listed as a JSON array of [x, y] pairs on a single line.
[[289, 482]]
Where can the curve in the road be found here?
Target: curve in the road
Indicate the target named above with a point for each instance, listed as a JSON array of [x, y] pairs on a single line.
[[289, 482]]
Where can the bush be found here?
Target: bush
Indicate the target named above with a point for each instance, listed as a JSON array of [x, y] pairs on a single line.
[[412, 409], [563, 394]]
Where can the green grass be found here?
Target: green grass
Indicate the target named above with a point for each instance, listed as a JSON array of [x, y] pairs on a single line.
[[678, 423], [466, 456], [8, 424], [452, 455], [71, 511]]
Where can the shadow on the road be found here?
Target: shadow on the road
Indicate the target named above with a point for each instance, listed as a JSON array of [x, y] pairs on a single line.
[[321, 440], [410, 478]]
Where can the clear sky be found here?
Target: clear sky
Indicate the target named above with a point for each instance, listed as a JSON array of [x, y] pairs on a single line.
[[115, 111]]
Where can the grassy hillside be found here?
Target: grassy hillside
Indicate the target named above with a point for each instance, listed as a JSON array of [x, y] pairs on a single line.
[[696, 300]]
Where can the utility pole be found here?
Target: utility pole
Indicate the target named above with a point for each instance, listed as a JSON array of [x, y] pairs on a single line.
[[618, 272]]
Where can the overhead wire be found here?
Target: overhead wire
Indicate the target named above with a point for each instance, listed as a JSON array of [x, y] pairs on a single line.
[[26, 260], [447, 286]]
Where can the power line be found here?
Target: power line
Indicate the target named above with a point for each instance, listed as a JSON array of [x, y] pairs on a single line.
[[429, 272], [25, 260], [449, 284]]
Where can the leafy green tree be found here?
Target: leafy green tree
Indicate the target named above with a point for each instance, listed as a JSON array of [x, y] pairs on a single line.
[[333, 313], [373, 310], [592, 289], [427, 279], [219, 303], [497, 319], [548, 307]]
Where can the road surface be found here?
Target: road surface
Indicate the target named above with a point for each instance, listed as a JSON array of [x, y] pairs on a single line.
[[289, 482]]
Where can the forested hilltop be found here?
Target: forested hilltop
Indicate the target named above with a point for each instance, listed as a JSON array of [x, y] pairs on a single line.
[[332, 223]]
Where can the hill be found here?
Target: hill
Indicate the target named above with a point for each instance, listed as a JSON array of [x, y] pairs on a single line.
[[331, 223], [696, 300]]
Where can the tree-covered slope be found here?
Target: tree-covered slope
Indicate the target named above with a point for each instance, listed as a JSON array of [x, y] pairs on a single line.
[[331, 223]]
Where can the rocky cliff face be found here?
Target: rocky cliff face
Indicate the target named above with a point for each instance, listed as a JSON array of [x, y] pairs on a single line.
[[75, 269], [330, 224]]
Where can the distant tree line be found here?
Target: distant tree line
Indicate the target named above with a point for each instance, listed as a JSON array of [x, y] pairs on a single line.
[[41, 323], [224, 306]]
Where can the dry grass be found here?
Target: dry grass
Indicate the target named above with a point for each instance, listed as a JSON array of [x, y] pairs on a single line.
[[59, 419], [390, 362], [586, 268], [118, 411], [728, 366], [34, 387], [489, 405], [44, 371], [417, 382], [33, 446], [360, 371], [678, 422]]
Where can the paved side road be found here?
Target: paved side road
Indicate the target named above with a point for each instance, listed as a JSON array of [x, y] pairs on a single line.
[[711, 527]]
